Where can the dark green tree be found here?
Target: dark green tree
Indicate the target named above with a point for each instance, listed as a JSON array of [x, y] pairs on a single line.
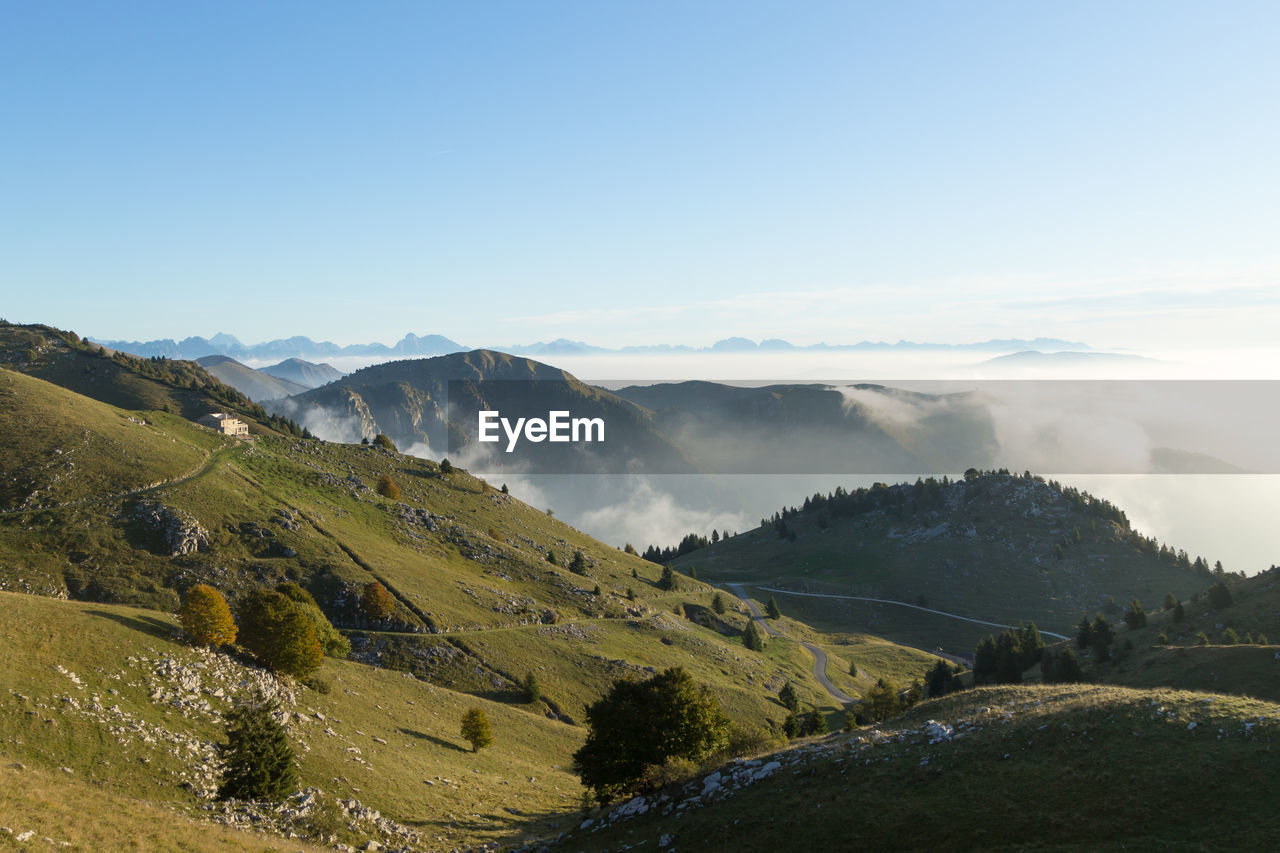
[[280, 633], [717, 604], [578, 565], [941, 679], [532, 689], [668, 579], [787, 696], [881, 701], [258, 759], [772, 610], [1220, 596], [1179, 612], [751, 637], [1135, 617], [1170, 601], [813, 723], [1084, 632], [446, 467], [640, 724]]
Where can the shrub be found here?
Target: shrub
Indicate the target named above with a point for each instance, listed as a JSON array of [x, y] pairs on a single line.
[[1230, 637], [476, 728], [280, 633], [258, 757], [376, 602], [387, 488], [881, 701], [642, 724], [1202, 639], [383, 441], [206, 617], [496, 535], [331, 641]]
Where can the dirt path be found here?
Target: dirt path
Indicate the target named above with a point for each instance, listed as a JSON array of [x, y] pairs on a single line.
[[207, 465], [819, 656]]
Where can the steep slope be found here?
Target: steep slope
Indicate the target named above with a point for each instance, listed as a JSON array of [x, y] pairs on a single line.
[[994, 547], [305, 373], [1067, 768], [137, 384], [257, 385], [479, 603], [433, 404]]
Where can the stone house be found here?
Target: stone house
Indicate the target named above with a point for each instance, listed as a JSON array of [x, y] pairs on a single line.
[[225, 424]]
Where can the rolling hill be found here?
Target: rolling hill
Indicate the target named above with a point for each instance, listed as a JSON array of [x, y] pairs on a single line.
[[993, 547], [257, 385], [305, 373]]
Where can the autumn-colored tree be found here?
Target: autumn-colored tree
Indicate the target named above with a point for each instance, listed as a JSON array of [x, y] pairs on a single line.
[[376, 602], [476, 728], [206, 617], [387, 488]]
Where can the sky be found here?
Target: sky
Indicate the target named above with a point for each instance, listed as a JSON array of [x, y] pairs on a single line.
[[633, 173]]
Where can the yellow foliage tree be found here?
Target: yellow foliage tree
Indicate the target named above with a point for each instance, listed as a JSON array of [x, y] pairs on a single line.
[[206, 617]]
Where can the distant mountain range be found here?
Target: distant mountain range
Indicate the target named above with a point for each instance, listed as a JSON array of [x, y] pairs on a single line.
[[412, 345], [281, 348]]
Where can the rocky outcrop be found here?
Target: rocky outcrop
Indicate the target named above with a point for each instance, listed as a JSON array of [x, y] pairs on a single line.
[[180, 533]]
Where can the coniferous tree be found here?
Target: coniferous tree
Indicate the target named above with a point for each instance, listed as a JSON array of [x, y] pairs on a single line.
[[532, 689], [668, 579], [258, 759], [717, 604], [1179, 612], [881, 701], [206, 618], [771, 609], [551, 557], [579, 563], [1219, 595], [787, 696], [1135, 617], [476, 728], [1170, 601], [1084, 632], [751, 637]]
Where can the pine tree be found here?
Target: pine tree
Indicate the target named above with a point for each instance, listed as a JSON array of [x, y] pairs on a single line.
[[771, 609], [446, 467], [717, 604], [1135, 617], [551, 557], [668, 580], [476, 728], [787, 696], [1179, 612], [751, 637], [579, 563], [532, 689], [258, 759], [881, 701], [206, 618]]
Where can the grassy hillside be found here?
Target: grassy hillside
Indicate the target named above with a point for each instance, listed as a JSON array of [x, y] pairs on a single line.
[[995, 547], [1066, 768], [103, 698], [1167, 650], [126, 381], [479, 603]]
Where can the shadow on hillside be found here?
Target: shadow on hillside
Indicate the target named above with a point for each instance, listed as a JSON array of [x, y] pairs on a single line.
[[436, 740], [146, 624]]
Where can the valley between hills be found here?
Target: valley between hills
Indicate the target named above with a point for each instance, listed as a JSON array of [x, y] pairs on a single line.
[[114, 505]]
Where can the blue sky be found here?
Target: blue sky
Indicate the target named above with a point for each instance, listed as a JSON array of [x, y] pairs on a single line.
[[650, 172]]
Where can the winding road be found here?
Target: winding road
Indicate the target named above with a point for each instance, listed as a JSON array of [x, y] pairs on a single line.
[[819, 656], [901, 604]]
